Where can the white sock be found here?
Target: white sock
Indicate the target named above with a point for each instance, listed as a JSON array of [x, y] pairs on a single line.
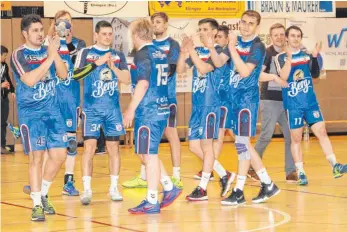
[[152, 196], [240, 182], [166, 183], [217, 167], [332, 159], [36, 196], [143, 172], [300, 167], [86, 182], [176, 171], [45, 187], [114, 181], [263, 176], [205, 178]]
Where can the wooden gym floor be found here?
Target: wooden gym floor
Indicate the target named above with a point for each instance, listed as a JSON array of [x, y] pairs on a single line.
[[318, 207]]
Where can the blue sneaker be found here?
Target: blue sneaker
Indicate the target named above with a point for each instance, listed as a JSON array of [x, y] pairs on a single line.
[[145, 208], [339, 170], [70, 190], [15, 131], [27, 189], [302, 179], [170, 196]]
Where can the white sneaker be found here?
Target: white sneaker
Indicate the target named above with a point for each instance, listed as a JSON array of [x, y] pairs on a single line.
[[86, 197], [115, 195]]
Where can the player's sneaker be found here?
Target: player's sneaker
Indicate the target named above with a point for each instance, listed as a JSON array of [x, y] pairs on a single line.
[[225, 182], [170, 196], [292, 177], [27, 189], [115, 195], [253, 175], [136, 182], [199, 174], [37, 213], [145, 208], [5, 151], [86, 197], [339, 170], [236, 198], [70, 190], [177, 182], [198, 194], [302, 179], [100, 151], [266, 192], [14, 130], [47, 205]]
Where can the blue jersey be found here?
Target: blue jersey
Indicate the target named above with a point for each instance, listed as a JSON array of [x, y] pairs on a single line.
[[172, 50], [101, 85], [224, 84], [246, 90], [68, 89], [151, 64], [78, 43], [205, 88], [42, 96], [300, 93]]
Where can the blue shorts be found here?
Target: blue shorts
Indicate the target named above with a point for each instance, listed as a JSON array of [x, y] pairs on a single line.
[[225, 117], [70, 112], [109, 120], [42, 131], [311, 116], [148, 135], [172, 120], [204, 123], [244, 119]]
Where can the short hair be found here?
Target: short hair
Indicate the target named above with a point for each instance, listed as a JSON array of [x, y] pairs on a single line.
[[142, 28], [162, 15], [214, 24], [275, 26], [293, 28], [254, 14], [225, 29], [61, 13], [3, 49], [29, 19], [101, 24]]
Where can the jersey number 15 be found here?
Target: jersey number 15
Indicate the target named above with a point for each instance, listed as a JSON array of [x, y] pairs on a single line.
[[162, 74]]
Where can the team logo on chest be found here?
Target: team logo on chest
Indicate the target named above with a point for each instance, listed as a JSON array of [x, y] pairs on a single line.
[[105, 84], [200, 84], [45, 87], [235, 79]]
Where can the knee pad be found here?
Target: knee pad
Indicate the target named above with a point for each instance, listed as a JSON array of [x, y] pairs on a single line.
[[72, 145], [242, 147]]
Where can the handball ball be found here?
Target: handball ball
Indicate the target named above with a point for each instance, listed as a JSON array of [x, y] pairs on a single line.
[[62, 27]]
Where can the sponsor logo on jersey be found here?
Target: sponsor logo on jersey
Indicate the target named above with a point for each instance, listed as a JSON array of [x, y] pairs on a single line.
[[298, 75], [298, 86], [159, 55], [199, 84], [235, 79], [44, 88]]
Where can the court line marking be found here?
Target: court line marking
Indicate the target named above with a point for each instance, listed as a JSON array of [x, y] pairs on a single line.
[[286, 218], [74, 217]]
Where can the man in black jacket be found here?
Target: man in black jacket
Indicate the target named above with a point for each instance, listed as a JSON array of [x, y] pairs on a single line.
[[6, 88]]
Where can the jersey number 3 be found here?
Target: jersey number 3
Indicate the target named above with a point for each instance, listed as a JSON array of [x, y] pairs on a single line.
[[162, 74]]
